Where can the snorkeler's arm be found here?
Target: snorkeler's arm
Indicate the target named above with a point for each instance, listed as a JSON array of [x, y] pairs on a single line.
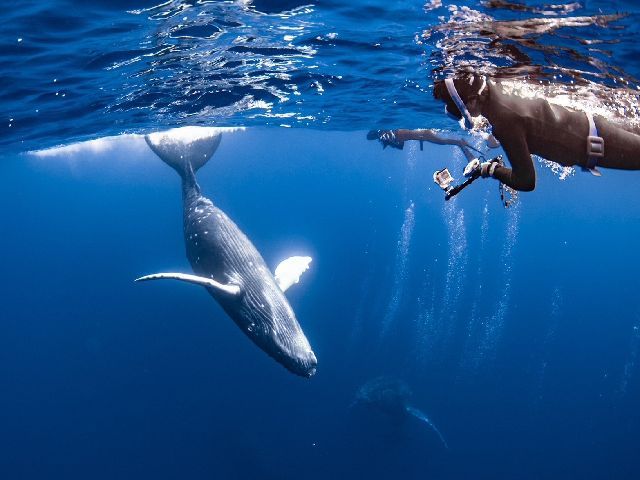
[[522, 174], [430, 136], [396, 139]]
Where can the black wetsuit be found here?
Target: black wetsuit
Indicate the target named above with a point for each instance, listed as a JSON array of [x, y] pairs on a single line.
[[526, 127]]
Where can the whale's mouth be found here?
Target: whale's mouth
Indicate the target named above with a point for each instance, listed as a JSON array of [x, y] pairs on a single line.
[[306, 367], [312, 365]]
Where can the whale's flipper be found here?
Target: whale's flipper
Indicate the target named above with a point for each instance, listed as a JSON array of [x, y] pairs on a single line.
[[179, 147], [421, 416], [288, 271], [185, 277]]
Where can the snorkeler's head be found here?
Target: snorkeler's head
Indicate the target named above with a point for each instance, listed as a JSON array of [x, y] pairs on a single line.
[[470, 88], [440, 93]]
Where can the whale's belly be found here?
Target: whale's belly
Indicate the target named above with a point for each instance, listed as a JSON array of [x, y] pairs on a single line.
[[218, 249]]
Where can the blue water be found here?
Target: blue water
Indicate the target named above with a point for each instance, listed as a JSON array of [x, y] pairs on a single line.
[[517, 329]]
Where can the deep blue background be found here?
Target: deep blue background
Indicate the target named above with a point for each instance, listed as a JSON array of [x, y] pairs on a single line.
[[104, 378]]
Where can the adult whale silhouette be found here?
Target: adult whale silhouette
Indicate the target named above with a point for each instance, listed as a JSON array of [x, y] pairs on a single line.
[[391, 396], [225, 261]]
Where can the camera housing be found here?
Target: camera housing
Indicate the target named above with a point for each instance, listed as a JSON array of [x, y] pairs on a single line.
[[443, 178]]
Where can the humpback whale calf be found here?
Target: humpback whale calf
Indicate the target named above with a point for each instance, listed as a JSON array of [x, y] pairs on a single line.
[[391, 396], [226, 263]]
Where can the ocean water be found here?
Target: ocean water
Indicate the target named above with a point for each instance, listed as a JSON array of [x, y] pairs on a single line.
[[517, 329]]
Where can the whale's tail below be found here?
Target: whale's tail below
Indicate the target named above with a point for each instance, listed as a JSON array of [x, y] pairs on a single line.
[[187, 146], [421, 416]]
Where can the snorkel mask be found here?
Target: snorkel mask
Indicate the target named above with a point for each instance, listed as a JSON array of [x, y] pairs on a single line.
[[455, 96]]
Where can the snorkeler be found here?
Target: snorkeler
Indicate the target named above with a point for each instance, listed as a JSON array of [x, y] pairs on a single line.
[[396, 139], [535, 126]]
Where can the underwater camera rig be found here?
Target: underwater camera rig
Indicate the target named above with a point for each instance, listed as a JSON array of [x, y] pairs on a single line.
[[472, 171]]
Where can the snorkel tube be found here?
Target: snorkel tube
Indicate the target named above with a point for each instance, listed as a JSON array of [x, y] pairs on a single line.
[[455, 96]]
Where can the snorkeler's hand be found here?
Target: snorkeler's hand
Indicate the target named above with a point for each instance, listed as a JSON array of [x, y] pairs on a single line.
[[387, 138], [473, 168]]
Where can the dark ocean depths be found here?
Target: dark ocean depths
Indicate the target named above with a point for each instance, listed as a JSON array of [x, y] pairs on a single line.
[[517, 329]]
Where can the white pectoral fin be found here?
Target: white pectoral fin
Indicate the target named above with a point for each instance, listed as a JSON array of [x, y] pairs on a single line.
[[288, 271], [185, 277]]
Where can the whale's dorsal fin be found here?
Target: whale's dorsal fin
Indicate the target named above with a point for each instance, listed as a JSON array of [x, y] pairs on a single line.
[[421, 416], [288, 271], [185, 277]]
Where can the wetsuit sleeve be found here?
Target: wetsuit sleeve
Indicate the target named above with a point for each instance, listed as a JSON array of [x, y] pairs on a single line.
[[522, 174]]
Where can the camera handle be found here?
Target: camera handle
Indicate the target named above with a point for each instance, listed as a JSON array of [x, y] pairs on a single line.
[[456, 189], [473, 171]]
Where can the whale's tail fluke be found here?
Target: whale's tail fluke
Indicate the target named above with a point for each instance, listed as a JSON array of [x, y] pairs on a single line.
[[421, 416], [187, 146]]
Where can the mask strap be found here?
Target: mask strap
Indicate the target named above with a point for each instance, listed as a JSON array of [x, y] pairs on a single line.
[[451, 88]]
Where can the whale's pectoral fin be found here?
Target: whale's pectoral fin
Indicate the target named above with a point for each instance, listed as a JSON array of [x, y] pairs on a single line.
[[185, 277], [421, 416], [288, 271]]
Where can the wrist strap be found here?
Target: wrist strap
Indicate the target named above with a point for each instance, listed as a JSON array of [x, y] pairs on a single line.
[[492, 168]]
